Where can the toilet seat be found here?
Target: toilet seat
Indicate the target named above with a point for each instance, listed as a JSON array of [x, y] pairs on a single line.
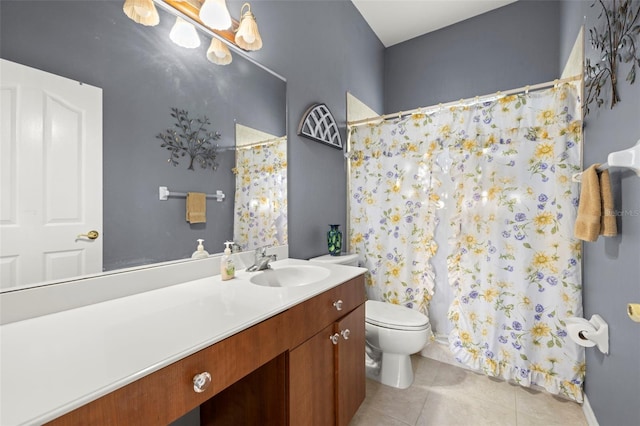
[[396, 317]]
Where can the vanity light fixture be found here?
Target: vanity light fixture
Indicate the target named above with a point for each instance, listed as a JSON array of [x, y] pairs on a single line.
[[218, 52], [247, 36], [184, 34], [215, 15], [211, 16], [142, 11]]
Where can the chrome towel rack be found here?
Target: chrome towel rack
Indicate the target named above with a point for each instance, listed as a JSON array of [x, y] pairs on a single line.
[[628, 159], [164, 194]]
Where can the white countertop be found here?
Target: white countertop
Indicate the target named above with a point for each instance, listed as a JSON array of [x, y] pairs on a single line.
[[55, 363]]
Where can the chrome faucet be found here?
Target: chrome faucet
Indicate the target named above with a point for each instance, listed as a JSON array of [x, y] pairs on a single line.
[[261, 260]]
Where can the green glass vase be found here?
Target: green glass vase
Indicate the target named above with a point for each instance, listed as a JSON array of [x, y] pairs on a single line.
[[334, 240]]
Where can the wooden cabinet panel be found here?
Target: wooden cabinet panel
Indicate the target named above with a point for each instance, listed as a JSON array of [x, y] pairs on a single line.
[[311, 316], [350, 367], [167, 394], [311, 381]]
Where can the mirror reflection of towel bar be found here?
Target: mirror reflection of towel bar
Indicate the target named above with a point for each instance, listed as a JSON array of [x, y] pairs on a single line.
[[164, 193]]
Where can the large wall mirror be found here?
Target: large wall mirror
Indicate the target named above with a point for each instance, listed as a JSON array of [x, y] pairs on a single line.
[[141, 75]]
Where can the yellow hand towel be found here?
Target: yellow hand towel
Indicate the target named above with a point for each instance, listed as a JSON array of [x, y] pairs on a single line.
[[608, 227], [587, 226], [196, 207]]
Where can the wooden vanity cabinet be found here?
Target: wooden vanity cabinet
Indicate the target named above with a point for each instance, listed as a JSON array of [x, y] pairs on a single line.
[[327, 371], [284, 370]]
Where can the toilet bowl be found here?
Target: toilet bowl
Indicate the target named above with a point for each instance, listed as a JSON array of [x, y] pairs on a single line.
[[393, 333]]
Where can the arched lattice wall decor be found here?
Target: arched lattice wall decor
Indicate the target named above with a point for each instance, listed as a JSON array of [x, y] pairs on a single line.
[[319, 125]]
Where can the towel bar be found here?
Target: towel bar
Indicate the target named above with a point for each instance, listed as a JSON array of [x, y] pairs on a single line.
[[628, 158], [164, 193]]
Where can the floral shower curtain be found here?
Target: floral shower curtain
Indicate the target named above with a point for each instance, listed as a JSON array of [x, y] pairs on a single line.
[[260, 217], [514, 265], [393, 198]]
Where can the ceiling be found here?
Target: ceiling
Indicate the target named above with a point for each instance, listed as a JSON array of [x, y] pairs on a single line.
[[395, 21]]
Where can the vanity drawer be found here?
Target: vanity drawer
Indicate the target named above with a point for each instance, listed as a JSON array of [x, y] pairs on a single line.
[[165, 395], [309, 317]]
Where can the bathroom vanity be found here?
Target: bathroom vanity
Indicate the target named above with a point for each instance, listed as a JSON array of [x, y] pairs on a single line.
[[244, 353]]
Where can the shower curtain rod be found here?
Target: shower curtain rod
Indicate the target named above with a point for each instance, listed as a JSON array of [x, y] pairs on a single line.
[[471, 101], [261, 143], [253, 144]]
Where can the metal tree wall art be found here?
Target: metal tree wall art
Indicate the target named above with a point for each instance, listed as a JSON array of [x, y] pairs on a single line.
[[190, 136], [617, 42]]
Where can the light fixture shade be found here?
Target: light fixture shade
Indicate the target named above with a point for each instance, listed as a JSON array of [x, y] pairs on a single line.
[[218, 52], [184, 34], [215, 15], [142, 11], [247, 36]]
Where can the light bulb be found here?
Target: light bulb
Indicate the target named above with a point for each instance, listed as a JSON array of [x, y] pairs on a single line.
[[215, 15], [218, 53], [184, 34]]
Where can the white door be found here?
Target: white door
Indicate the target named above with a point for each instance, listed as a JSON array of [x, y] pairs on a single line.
[[50, 176]]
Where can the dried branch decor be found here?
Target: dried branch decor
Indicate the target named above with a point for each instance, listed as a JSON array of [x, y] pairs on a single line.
[[190, 136], [617, 42]]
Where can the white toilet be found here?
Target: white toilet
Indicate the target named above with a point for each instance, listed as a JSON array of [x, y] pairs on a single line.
[[393, 333]]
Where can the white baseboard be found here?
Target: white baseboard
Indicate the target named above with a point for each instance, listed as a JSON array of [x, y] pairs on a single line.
[[588, 412]]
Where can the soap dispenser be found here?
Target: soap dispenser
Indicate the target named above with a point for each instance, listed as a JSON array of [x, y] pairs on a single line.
[[200, 253], [227, 268]]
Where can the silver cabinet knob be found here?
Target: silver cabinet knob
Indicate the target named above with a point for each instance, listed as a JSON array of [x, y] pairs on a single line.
[[345, 334], [201, 382], [334, 338], [338, 305]]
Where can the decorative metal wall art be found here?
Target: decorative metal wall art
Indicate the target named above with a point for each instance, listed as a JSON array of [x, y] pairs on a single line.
[[319, 125], [617, 42], [190, 136]]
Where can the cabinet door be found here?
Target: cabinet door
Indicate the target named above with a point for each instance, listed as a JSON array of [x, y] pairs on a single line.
[[311, 381], [350, 367]]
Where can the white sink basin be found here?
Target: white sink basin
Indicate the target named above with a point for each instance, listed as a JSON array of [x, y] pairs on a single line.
[[290, 276]]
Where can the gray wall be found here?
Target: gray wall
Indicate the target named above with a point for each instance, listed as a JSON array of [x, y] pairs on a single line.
[[525, 43], [323, 48], [612, 265], [507, 48], [143, 74]]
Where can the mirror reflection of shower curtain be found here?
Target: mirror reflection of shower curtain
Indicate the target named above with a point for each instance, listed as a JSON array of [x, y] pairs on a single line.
[[260, 217]]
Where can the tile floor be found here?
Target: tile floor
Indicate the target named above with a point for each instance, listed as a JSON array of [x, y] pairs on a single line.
[[445, 395]]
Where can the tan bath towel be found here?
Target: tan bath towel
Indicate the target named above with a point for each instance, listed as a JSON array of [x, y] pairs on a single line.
[[608, 227], [196, 207], [596, 215]]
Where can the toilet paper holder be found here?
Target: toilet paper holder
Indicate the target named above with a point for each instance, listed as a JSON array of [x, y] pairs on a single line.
[[594, 332]]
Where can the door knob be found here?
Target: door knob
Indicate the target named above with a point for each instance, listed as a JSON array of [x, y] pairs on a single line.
[[345, 334], [92, 235], [338, 305]]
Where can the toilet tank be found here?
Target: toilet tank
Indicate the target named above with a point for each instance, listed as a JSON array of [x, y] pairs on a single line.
[[349, 259]]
